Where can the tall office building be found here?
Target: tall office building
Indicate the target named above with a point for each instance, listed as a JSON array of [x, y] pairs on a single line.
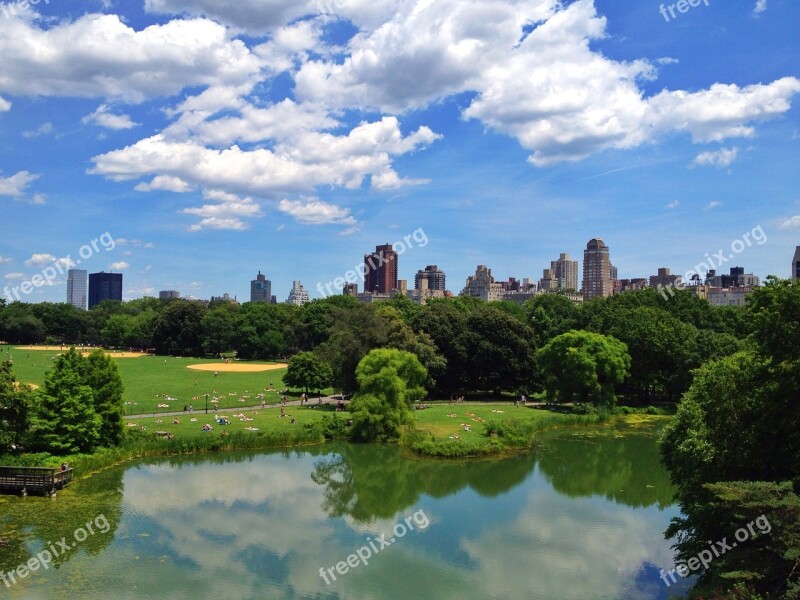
[[298, 295], [104, 286], [380, 270], [169, 295], [433, 275], [565, 272], [260, 289], [796, 265], [597, 282], [77, 282]]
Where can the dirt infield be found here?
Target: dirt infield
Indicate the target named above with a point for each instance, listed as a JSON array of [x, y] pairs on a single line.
[[83, 352], [236, 367]]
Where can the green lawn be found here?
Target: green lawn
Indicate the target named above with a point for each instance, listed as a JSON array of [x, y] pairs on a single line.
[[265, 420], [435, 420], [147, 379]]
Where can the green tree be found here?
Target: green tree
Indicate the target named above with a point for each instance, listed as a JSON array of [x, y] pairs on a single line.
[[733, 450], [580, 366], [308, 372], [65, 420], [178, 330], [389, 381], [100, 373], [550, 315], [15, 402]]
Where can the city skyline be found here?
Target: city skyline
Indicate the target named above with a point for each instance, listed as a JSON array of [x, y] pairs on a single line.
[[278, 153]]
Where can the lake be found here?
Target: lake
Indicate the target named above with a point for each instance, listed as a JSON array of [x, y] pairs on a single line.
[[580, 518]]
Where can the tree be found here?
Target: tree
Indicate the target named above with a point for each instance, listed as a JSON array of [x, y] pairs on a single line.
[[307, 371], [100, 373], [550, 315], [389, 381], [733, 451], [178, 330], [66, 421], [580, 366], [15, 404]]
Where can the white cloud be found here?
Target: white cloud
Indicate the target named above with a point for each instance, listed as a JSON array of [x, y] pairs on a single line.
[[313, 211], [552, 92], [791, 223], [100, 56], [223, 223], [15, 276], [15, 185], [165, 183], [45, 129], [309, 160], [673, 204], [667, 60], [761, 6], [119, 266], [5, 105], [721, 158], [5, 259], [40, 260], [64, 263], [103, 118], [713, 204]]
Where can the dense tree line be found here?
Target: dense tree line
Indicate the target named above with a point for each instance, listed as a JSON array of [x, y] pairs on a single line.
[[734, 453], [464, 344]]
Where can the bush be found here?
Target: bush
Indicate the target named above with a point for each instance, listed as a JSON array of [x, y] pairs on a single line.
[[584, 408]]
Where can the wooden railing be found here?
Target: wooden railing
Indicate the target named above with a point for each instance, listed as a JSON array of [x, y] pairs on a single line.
[[33, 479]]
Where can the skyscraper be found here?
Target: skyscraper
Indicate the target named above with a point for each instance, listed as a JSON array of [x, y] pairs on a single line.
[[260, 289], [169, 295], [796, 265], [433, 275], [298, 295], [597, 281], [380, 270], [565, 272], [77, 281], [104, 286]]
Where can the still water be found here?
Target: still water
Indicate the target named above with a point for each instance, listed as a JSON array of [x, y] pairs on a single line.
[[581, 518]]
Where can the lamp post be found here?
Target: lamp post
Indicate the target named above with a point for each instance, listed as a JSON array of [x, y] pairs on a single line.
[[206, 403]]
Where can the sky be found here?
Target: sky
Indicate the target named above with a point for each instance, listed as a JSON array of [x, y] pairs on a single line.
[[212, 139]]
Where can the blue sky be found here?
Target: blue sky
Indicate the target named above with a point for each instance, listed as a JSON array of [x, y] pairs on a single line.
[[213, 139]]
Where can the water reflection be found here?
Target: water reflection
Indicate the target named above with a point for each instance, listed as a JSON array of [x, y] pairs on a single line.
[[262, 525]]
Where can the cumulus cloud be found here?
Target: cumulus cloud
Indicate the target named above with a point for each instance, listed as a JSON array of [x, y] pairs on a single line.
[[228, 213], [15, 185], [40, 260], [309, 160], [721, 158], [119, 266], [103, 118], [5, 105], [761, 6], [165, 183], [551, 91], [100, 56], [5, 259], [713, 204], [791, 223], [673, 204], [313, 211]]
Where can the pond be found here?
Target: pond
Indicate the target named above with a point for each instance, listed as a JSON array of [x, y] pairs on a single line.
[[583, 517]]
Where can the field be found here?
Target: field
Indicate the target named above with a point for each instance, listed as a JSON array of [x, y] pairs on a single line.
[[153, 380], [264, 420]]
